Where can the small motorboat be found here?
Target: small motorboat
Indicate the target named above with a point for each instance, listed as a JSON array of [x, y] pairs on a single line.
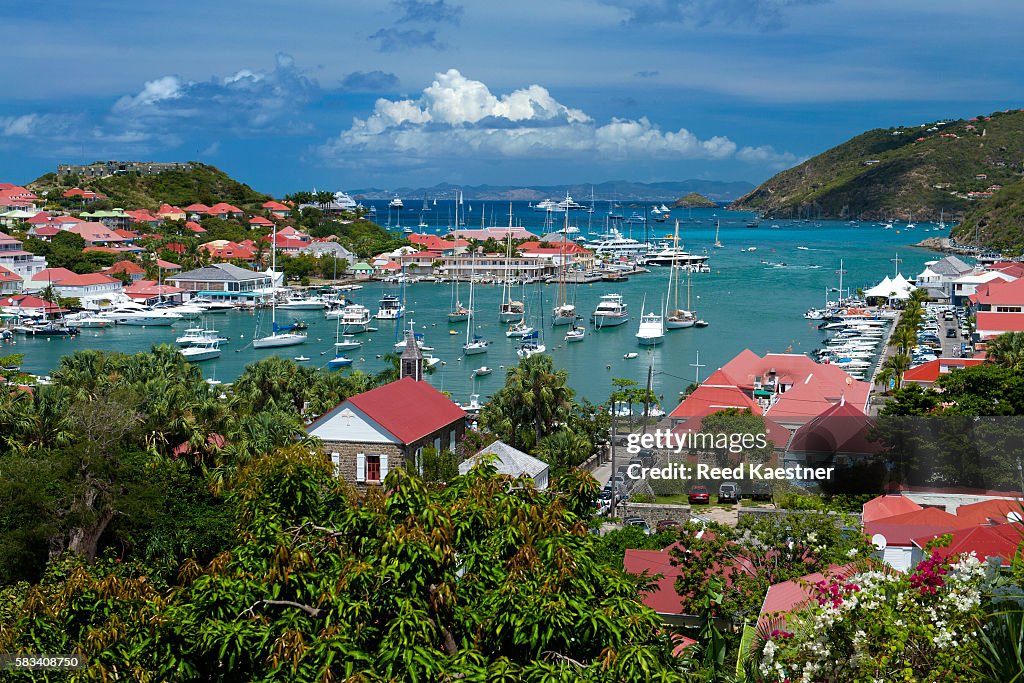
[[575, 335], [631, 355], [482, 370], [301, 359], [339, 362]]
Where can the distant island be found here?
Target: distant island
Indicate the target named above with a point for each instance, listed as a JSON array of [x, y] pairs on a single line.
[[694, 200], [942, 170]]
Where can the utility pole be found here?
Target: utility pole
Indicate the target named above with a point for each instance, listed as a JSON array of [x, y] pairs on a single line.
[[611, 480]]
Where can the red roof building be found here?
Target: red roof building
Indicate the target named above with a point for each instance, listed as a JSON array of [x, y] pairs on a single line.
[[133, 270], [928, 373], [988, 512], [9, 282], [88, 195], [388, 427], [97, 235], [261, 222], [887, 506], [197, 208], [224, 210], [278, 209], [171, 213], [73, 285], [195, 227], [145, 216], [841, 429], [30, 305], [167, 266], [790, 596], [226, 250], [988, 325], [147, 290], [439, 244]]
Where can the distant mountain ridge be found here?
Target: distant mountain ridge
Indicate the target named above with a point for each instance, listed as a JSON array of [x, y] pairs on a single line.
[[615, 190], [934, 169]]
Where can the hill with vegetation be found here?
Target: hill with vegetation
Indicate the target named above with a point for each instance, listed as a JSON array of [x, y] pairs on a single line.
[[926, 171], [201, 183], [694, 200], [997, 223]]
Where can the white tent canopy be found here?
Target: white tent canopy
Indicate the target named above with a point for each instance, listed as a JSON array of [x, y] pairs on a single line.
[[894, 288]]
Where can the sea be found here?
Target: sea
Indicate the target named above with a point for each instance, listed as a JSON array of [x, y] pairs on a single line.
[[762, 280]]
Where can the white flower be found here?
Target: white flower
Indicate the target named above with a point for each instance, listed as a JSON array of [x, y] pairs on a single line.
[[852, 552]]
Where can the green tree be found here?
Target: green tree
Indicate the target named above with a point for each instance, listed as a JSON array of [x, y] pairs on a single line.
[[535, 399], [1007, 350]]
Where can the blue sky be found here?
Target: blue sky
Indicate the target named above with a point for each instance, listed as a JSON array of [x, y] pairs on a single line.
[[288, 96]]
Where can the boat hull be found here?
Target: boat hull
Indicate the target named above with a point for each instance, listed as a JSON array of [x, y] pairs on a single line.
[[473, 350], [601, 321], [678, 324], [205, 354], [278, 340]]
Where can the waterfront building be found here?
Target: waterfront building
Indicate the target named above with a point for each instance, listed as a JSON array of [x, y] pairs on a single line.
[[86, 288], [224, 281], [966, 285], [10, 283]]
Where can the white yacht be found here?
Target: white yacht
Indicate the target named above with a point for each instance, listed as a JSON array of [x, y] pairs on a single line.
[[548, 205], [343, 200], [576, 334], [396, 202], [209, 306], [303, 303], [391, 308], [196, 335], [617, 245], [354, 318], [610, 312], [85, 319], [519, 329], [652, 328], [347, 343], [137, 314], [203, 350], [670, 256]]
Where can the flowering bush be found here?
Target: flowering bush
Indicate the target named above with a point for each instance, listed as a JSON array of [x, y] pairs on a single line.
[[882, 626]]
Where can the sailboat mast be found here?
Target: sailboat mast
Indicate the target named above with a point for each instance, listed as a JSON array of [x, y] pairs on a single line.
[[469, 318], [273, 280]]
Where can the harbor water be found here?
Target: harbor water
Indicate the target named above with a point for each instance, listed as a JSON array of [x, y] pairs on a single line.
[[751, 299]]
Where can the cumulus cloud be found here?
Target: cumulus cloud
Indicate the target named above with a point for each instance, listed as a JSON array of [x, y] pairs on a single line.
[[766, 154], [18, 126], [456, 116], [153, 92], [765, 15], [369, 81]]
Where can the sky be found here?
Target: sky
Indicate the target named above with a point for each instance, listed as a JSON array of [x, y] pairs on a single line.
[[335, 95]]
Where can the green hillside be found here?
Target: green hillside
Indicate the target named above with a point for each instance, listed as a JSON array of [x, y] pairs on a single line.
[[694, 200], [202, 183], [895, 172], [997, 223]]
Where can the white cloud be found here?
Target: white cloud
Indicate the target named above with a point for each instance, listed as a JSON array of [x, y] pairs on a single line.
[[18, 126], [153, 92], [460, 117]]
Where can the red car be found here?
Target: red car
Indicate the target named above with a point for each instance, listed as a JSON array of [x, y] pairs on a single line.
[[699, 495]]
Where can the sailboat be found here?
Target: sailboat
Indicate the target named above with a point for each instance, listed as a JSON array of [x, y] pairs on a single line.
[[532, 343], [564, 313], [279, 335], [652, 327], [519, 329], [910, 222], [677, 318], [509, 309], [459, 312], [718, 244], [474, 343]]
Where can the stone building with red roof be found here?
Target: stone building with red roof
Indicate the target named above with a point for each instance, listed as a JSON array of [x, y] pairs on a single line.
[[387, 427]]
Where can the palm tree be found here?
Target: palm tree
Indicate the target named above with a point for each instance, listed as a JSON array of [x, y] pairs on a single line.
[[894, 367], [534, 400], [1007, 350], [904, 337]]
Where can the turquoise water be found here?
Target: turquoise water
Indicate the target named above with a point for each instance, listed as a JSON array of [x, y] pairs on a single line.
[[748, 304]]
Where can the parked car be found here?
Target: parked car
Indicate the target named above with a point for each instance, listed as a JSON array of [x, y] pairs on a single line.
[[729, 492], [699, 495], [638, 522], [762, 491], [666, 524]]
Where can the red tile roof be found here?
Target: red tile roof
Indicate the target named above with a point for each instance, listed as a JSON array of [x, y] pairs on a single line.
[[1002, 541], [261, 221], [887, 506], [563, 248], [435, 242], [663, 598], [408, 409], [126, 267], [788, 596], [84, 194], [197, 208], [712, 397], [27, 301], [275, 206], [167, 265], [67, 278], [777, 434], [195, 227], [221, 208]]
